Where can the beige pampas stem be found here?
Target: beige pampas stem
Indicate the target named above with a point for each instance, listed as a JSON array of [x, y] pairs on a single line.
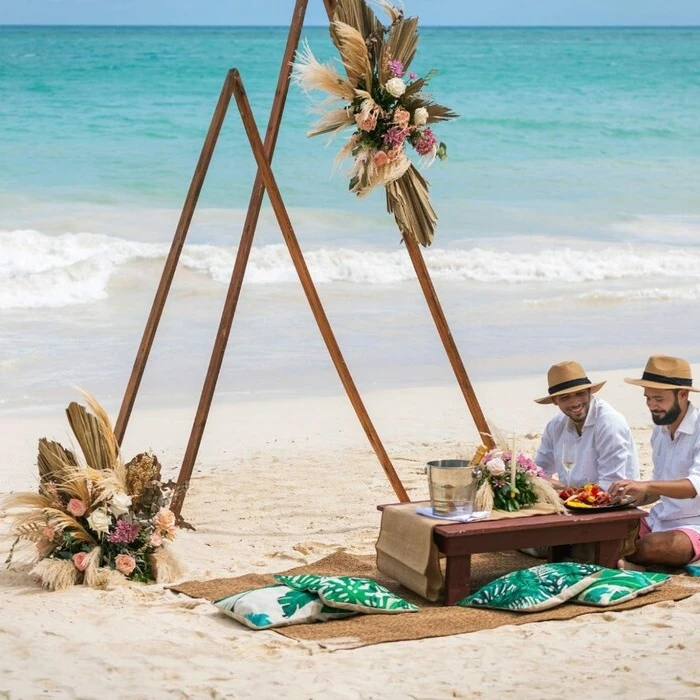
[[165, 565], [310, 74], [56, 574], [483, 499], [90, 575], [547, 494]]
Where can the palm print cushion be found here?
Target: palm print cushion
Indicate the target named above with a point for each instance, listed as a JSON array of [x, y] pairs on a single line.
[[362, 595], [272, 606], [302, 582], [614, 586], [538, 588]]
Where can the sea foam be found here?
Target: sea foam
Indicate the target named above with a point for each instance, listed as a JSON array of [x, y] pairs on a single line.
[[38, 270]]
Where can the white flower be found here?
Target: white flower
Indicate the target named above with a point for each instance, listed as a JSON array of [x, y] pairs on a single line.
[[420, 116], [496, 466], [395, 87], [99, 520], [120, 504]]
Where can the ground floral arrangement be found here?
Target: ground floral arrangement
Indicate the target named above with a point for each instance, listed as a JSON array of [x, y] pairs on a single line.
[[95, 520], [386, 106], [502, 487]]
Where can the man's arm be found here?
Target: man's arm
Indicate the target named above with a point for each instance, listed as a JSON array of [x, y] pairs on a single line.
[[646, 492], [545, 453]]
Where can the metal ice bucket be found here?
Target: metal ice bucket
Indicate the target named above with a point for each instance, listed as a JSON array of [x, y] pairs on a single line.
[[452, 486]]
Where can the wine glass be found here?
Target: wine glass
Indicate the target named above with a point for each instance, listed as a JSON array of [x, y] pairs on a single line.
[[568, 460]]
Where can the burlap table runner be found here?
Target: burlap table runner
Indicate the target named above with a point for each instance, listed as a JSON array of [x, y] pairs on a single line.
[[406, 550]]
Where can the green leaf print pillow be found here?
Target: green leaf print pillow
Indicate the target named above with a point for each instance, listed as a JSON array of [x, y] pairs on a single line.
[[614, 586], [302, 582], [362, 595], [538, 588], [272, 606]]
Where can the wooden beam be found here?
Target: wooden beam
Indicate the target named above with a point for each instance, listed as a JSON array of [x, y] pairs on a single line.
[[308, 285]]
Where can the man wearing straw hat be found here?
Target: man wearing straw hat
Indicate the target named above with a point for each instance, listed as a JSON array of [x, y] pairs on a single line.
[[670, 534], [589, 441]]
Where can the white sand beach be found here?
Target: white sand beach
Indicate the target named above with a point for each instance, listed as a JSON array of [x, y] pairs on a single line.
[[281, 483]]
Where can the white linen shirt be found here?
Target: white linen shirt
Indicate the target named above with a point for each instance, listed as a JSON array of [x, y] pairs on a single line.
[[605, 450], [677, 459]]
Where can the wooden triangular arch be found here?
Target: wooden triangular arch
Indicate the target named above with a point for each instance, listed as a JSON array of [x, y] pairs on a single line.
[[265, 181]]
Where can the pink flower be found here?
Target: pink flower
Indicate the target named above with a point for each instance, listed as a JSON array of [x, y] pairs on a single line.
[[394, 153], [124, 564], [366, 122], [49, 533], [76, 507], [395, 136], [402, 117], [396, 68], [412, 75], [426, 143], [124, 532], [156, 540], [80, 561], [381, 158]]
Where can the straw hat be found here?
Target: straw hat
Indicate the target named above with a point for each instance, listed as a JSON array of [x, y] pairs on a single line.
[[565, 377], [664, 372]]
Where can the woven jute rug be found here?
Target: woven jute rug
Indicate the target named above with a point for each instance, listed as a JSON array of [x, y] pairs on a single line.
[[434, 619]]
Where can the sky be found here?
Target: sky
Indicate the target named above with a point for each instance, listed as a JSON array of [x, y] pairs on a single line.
[[278, 12]]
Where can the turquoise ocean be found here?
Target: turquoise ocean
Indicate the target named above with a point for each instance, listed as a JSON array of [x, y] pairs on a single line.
[[569, 213]]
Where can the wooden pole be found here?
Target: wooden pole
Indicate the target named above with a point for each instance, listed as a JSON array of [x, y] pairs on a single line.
[[308, 285], [242, 256], [166, 279], [443, 328], [448, 342]]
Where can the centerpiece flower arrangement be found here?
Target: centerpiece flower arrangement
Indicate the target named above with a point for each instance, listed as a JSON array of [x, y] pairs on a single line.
[[501, 487], [94, 520], [385, 105]]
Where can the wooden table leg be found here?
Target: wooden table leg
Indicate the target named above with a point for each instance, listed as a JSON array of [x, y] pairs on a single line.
[[457, 578], [607, 553]]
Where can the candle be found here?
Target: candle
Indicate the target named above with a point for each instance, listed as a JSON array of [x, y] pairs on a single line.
[[513, 460]]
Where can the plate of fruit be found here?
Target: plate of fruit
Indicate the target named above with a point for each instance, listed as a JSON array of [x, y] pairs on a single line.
[[592, 498]]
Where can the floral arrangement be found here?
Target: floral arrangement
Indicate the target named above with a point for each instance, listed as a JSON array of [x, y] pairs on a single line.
[[96, 521], [501, 489], [384, 105]]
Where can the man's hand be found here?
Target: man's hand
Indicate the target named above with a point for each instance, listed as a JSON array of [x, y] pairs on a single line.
[[638, 490]]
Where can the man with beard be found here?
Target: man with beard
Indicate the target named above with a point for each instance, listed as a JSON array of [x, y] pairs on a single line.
[[589, 442], [670, 534]]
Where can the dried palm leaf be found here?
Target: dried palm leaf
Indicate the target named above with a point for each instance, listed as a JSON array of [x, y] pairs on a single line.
[[353, 52], [407, 199], [86, 429], [52, 458], [395, 14], [332, 122], [401, 46], [61, 522], [438, 113], [310, 74], [413, 90], [357, 14]]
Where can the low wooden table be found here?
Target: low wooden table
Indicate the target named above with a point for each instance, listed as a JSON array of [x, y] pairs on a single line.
[[458, 541]]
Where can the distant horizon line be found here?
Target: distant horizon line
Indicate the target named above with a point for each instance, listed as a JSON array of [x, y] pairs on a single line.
[[321, 26]]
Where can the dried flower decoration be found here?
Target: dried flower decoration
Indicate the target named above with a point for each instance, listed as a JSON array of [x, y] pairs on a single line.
[[386, 107]]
